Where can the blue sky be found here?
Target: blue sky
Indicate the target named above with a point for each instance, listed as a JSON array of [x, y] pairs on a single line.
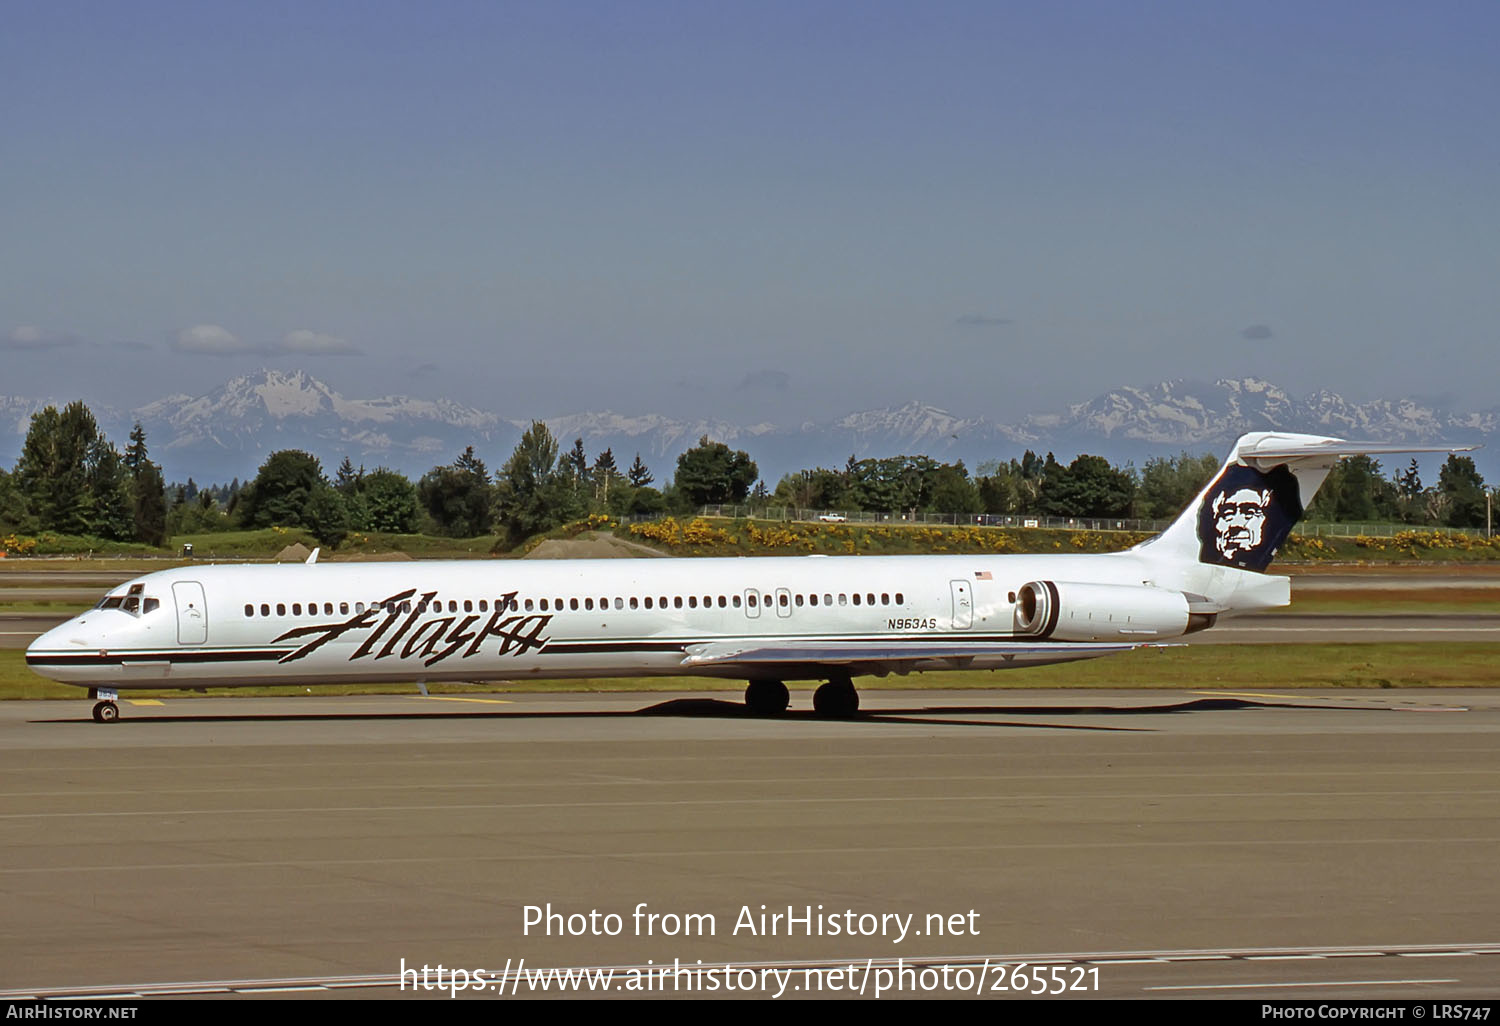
[[756, 210]]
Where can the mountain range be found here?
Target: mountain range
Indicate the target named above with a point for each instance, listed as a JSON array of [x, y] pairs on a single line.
[[228, 432]]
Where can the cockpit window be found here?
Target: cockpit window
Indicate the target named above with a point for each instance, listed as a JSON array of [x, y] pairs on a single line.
[[134, 602]]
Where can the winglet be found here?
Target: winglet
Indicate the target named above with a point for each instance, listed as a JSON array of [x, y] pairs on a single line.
[[312, 557]]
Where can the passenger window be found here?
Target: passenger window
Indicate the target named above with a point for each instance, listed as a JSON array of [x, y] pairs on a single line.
[[619, 602], [265, 610], [799, 600], [484, 605], [812, 600], [736, 600], [899, 600], [692, 601], [677, 602], [529, 605], [281, 609], [296, 608], [648, 601], [359, 607], [468, 605], [856, 598], [783, 600], [828, 600], [249, 610], [843, 599], [885, 599], [723, 602], [870, 599], [588, 603], [344, 608], [634, 602], [753, 600]]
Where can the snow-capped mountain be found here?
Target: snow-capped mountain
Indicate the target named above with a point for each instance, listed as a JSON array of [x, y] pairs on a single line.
[[229, 432]]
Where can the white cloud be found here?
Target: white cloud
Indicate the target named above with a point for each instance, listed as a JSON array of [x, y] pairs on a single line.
[[210, 340], [30, 336], [316, 343]]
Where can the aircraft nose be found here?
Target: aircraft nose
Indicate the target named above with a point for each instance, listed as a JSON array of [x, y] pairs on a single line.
[[65, 638]]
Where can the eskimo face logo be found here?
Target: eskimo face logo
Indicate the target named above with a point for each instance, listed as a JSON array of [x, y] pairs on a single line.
[[1240, 521], [1246, 515]]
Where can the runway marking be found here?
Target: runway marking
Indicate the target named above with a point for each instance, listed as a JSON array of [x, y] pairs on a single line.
[[1437, 954], [456, 698], [779, 802], [637, 783], [244, 866], [1317, 983], [999, 961], [145, 701]]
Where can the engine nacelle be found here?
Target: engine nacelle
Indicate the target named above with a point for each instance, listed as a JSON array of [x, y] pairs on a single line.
[[1103, 612]]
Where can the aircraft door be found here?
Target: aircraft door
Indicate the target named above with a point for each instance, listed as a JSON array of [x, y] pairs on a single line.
[[963, 606], [192, 613]]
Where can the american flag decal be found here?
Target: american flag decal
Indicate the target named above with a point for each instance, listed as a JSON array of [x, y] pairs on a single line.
[[983, 575]]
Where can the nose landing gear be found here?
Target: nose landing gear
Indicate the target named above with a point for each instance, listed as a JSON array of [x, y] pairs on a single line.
[[105, 709]]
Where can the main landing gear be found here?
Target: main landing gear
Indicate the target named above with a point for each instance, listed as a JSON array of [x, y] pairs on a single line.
[[766, 697], [836, 700], [105, 709]]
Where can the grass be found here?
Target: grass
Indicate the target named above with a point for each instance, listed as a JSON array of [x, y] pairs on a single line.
[[1239, 667]]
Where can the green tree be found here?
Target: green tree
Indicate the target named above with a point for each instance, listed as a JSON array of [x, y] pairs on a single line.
[[52, 473], [283, 490], [149, 514], [605, 477], [385, 501], [533, 495], [1462, 487], [1168, 484], [136, 456], [459, 497], [14, 516], [711, 472], [953, 492], [640, 476], [1087, 487]]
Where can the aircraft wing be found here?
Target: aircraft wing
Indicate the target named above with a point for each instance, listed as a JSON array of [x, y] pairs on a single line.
[[894, 655]]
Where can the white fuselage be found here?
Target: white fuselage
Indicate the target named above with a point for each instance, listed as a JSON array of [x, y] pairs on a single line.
[[508, 620]]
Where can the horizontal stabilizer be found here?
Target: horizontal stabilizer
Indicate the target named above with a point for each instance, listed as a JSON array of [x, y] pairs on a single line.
[[1295, 447]]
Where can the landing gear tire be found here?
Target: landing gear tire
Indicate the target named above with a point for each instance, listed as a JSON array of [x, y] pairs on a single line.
[[766, 697], [836, 700], [106, 712]]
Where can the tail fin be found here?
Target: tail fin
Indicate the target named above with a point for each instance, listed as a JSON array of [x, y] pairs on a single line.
[[1245, 513]]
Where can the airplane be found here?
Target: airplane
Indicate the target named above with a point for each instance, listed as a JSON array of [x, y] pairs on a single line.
[[761, 620]]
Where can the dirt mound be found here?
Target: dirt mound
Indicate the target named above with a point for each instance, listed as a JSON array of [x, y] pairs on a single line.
[[294, 553], [598, 545]]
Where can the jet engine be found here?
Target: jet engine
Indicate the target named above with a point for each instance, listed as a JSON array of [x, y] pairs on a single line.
[[1068, 611]]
